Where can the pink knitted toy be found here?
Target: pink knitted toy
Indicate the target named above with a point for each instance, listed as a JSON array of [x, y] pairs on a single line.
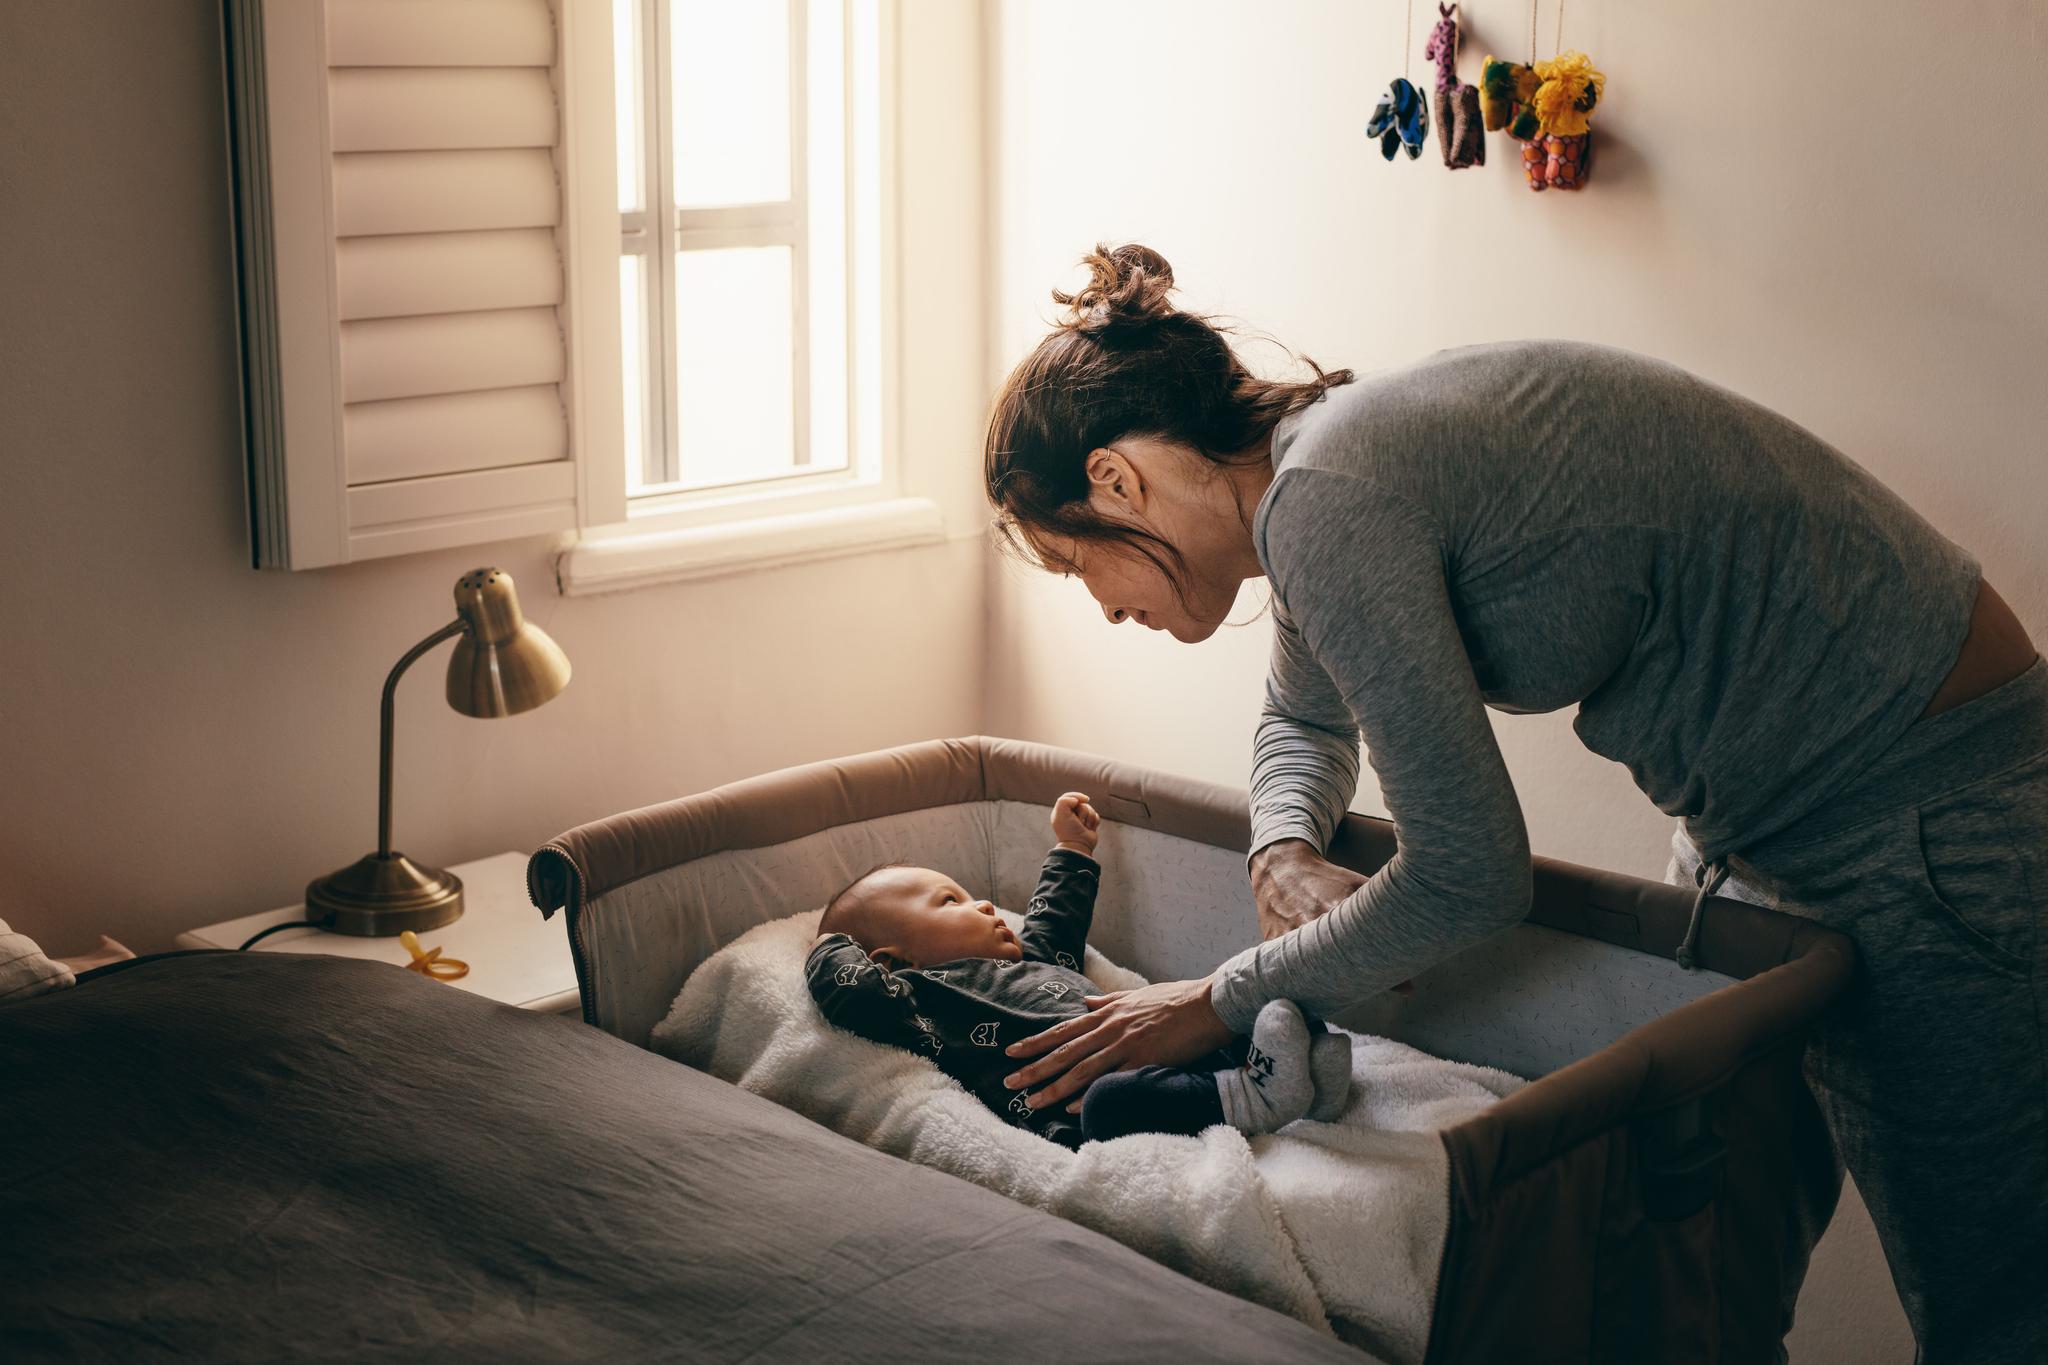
[[1459, 132]]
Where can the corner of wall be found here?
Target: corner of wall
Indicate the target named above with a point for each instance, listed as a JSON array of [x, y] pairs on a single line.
[[987, 23]]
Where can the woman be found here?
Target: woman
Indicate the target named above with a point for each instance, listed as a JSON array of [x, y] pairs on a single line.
[[1844, 715]]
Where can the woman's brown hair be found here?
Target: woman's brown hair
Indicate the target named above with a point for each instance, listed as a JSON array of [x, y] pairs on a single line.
[[1123, 362]]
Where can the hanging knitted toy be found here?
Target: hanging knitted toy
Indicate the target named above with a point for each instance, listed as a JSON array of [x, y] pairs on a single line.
[[1548, 107], [1401, 117], [1563, 104], [1458, 132], [1504, 91]]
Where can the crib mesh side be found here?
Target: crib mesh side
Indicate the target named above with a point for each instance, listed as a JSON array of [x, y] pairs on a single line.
[[1528, 1001]]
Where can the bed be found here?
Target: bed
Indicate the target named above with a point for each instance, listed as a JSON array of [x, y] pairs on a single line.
[[267, 1157], [1654, 1194]]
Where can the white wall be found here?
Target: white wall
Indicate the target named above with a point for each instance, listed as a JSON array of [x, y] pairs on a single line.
[[1779, 201], [1757, 213], [184, 738]]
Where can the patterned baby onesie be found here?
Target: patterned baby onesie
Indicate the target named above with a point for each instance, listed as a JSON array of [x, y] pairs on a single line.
[[963, 1014]]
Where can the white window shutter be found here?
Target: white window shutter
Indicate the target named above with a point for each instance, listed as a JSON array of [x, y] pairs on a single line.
[[427, 207]]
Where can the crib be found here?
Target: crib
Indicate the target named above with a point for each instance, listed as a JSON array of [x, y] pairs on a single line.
[[1654, 1194]]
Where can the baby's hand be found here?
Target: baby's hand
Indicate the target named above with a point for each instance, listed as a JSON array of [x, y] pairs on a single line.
[[1074, 822]]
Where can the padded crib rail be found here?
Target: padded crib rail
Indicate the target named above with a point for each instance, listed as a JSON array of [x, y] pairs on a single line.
[[754, 812], [586, 862], [776, 807]]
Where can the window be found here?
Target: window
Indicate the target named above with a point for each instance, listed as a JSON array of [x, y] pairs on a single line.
[[442, 209], [749, 260]]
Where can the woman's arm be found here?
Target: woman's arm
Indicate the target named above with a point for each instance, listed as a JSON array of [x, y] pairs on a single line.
[[1305, 750], [1363, 572], [1365, 586], [1304, 774]]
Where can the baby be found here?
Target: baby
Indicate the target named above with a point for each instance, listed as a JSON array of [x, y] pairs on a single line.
[[905, 957]]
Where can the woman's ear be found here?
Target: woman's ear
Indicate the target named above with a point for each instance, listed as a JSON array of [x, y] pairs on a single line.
[[1112, 477]]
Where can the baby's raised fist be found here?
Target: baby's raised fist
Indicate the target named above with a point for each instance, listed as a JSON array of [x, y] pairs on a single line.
[[1075, 822]]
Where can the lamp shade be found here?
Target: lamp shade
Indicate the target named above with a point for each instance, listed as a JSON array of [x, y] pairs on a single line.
[[502, 664]]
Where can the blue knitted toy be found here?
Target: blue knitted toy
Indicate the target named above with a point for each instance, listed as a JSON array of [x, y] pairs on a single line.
[[1400, 119]]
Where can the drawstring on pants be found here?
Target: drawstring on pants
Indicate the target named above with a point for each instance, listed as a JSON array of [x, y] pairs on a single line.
[[1708, 877]]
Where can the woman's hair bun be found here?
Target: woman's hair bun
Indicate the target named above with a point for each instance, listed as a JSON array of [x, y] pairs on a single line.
[[1127, 289]]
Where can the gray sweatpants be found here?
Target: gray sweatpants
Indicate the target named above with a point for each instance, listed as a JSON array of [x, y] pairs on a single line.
[[1933, 1070]]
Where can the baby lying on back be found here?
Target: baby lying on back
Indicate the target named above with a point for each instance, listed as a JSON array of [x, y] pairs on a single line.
[[906, 957]]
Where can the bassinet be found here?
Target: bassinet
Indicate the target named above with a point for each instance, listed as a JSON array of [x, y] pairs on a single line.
[[1653, 1196]]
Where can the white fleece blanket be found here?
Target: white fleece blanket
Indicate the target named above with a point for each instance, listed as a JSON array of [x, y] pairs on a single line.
[[1340, 1225]]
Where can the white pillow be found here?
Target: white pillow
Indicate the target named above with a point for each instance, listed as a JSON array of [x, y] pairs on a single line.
[[24, 971]]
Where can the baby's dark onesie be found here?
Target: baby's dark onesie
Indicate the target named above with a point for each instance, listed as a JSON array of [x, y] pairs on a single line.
[[963, 1014]]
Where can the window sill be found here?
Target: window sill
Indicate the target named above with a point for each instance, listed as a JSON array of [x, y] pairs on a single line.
[[618, 564]]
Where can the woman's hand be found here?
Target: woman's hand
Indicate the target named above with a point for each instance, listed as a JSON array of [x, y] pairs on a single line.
[[1164, 1024], [1293, 885]]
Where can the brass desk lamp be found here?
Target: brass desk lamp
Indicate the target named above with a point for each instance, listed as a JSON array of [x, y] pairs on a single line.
[[501, 666]]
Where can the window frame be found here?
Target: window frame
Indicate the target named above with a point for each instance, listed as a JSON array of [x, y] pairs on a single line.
[[624, 543]]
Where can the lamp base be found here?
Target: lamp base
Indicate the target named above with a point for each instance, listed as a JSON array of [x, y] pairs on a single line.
[[378, 896]]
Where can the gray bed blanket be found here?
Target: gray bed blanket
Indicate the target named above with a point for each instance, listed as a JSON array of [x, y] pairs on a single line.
[[264, 1157]]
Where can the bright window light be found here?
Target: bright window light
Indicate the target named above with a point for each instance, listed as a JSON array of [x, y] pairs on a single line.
[[734, 376], [731, 91], [749, 214]]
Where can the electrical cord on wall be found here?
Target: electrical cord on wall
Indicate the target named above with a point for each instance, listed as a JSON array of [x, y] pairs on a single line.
[[262, 934]]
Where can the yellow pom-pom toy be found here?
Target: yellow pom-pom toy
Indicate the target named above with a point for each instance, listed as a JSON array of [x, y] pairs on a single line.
[[1569, 89]]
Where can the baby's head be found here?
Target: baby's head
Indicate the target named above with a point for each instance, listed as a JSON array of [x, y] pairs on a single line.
[[916, 917]]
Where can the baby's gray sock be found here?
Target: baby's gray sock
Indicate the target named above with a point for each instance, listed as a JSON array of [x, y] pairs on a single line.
[[1329, 1065], [1273, 1088]]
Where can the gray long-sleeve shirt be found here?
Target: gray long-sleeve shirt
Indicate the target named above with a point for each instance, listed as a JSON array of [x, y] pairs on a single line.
[[1743, 617]]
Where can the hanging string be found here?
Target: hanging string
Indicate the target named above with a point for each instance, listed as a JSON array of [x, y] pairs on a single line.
[[1532, 31], [1408, 40], [1559, 48]]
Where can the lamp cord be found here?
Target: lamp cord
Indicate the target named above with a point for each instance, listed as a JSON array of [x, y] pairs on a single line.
[[262, 934]]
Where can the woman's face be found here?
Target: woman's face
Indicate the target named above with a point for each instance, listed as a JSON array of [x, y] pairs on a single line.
[[1175, 494], [1130, 587]]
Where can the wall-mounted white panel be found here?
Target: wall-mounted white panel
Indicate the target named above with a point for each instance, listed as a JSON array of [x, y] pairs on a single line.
[[449, 353], [381, 192], [440, 32], [446, 272], [410, 438], [410, 108]]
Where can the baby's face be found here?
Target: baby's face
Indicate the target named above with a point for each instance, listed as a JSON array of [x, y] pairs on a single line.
[[923, 918]]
